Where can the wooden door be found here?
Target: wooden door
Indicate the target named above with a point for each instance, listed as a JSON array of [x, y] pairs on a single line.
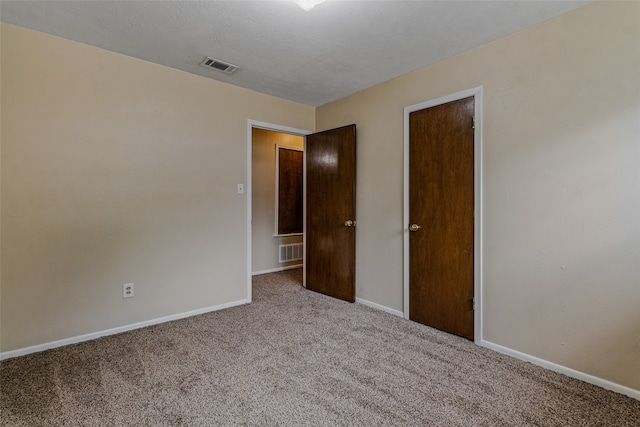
[[330, 235], [441, 174]]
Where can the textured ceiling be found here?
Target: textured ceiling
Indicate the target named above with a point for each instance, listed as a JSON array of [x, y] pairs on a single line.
[[334, 50]]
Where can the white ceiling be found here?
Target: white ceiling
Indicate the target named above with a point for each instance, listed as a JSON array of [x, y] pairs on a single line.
[[315, 57]]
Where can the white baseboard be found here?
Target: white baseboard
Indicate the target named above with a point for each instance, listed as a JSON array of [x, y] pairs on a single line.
[[120, 329], [379, 307], [635, 394], [275, 270]]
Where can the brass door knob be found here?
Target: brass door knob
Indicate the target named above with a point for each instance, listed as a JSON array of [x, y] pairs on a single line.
[[414, 227], [349, 223]]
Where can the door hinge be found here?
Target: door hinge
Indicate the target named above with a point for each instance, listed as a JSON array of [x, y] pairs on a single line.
[[473, 124], [473, 303]]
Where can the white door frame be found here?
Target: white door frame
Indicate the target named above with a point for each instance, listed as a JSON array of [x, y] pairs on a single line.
[[249, 191], [477, 201]]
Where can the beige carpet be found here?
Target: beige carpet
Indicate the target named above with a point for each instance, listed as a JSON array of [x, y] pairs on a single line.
[[294, 357]]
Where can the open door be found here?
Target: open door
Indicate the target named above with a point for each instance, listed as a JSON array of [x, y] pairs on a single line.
[[330, 234]]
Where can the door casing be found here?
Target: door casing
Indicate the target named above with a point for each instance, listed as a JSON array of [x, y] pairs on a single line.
[[477, 196]]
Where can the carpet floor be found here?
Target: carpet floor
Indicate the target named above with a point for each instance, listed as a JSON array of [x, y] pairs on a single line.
[[294, 357]]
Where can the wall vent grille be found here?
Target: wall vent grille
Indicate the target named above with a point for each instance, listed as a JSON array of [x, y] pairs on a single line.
[[291, 252], [216, 64]]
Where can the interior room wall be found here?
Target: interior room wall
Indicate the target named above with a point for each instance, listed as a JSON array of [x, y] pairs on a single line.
[[116, 170], [561, 242], [264, 246]]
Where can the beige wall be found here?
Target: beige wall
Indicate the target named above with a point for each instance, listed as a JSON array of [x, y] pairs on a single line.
[[561, 246], [264, 246], [115, 170]]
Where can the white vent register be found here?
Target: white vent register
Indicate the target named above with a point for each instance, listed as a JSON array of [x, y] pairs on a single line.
[[291, 252], [216, 64]]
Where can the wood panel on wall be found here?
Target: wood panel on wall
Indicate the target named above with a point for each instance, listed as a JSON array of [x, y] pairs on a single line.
[[290, 188]]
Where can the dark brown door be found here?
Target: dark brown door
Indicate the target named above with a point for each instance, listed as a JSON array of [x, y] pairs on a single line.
[[441, 216], [331, 212]]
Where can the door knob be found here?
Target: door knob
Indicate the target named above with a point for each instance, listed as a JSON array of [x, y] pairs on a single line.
[[414, 227], [349, 223]]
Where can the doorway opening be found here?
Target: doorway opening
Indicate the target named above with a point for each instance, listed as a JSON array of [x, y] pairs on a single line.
[[266, 244]]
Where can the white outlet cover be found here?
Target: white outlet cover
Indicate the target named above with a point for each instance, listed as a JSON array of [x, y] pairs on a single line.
[[240, 188], [127, 290]]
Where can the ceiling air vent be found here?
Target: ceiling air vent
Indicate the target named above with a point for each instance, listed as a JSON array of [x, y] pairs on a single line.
[[218, 65]]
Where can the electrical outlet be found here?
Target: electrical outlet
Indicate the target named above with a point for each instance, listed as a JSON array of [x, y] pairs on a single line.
[[127, 290], [240, 188]]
